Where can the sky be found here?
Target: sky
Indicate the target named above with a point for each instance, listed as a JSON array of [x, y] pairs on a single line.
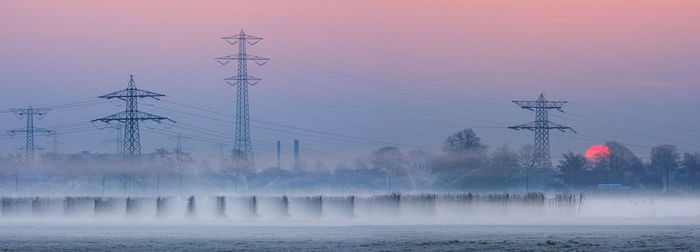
[[348, 77]]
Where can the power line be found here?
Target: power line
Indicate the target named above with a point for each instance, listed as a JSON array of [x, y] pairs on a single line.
[[317, 132], [660, 124], [425, 94], [382, 104]]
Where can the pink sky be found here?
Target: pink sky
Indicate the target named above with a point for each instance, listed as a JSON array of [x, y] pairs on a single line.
[[640, 57]]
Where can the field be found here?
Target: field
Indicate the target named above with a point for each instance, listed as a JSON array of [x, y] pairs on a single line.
[[188, 236]]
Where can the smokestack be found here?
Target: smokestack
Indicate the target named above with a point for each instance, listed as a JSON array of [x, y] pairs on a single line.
[[297, 166]]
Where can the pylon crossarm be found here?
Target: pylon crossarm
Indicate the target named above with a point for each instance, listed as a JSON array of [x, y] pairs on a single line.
[[15, 131], [141, 116], [244, 36], [530, 105], [37, 112], [562, 128], [42, 130], [20, 115], [128, 93], [235, 57], [528, 126], [146, 116], [234, 80], [121, 116], [550, 125], [19, 111]]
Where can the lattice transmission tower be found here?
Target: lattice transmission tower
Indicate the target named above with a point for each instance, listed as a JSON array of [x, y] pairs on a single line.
[[29, 113], [541, 127], [131, 116], [242, 80]]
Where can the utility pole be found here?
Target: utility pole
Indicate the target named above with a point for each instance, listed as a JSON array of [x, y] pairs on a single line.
[[29, 113], [541, 127], [131, 116], [279, 149], [242, 140]]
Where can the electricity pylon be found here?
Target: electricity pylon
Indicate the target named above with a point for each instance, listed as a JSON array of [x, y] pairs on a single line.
[[131, 116], [541, 127], [29, 131], [242, 141]]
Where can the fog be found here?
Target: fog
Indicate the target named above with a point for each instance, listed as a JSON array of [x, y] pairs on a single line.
[[395, 209], [466, 183]]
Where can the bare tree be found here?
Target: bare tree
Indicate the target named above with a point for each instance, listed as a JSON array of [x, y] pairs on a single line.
[[419, 164], [691, 169], [504, 166], [388, 159], [665, 158], [164, 162], [238, 167], [11, 166], [527, 163]]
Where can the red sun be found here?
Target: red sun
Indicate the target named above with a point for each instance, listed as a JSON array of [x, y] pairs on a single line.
[[597, 151]]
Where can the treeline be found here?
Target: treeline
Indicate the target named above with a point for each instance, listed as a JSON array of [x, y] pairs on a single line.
[[463, 164], [466, 164]]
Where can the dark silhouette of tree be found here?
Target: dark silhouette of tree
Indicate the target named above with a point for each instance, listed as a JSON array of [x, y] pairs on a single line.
[[664, 159], [571, 166], [691, 169], [464, 157], [462, 141], [503, 166], [619, 160]]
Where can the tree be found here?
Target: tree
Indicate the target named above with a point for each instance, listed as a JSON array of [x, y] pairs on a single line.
[[11, 166], [664, 159], [464, 157], [419, 164], [238, 167], [164, 162], [462, 141], [619, 160], [571, 166], [691, 169], [388, 159], [527, 163], [503, 166]]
